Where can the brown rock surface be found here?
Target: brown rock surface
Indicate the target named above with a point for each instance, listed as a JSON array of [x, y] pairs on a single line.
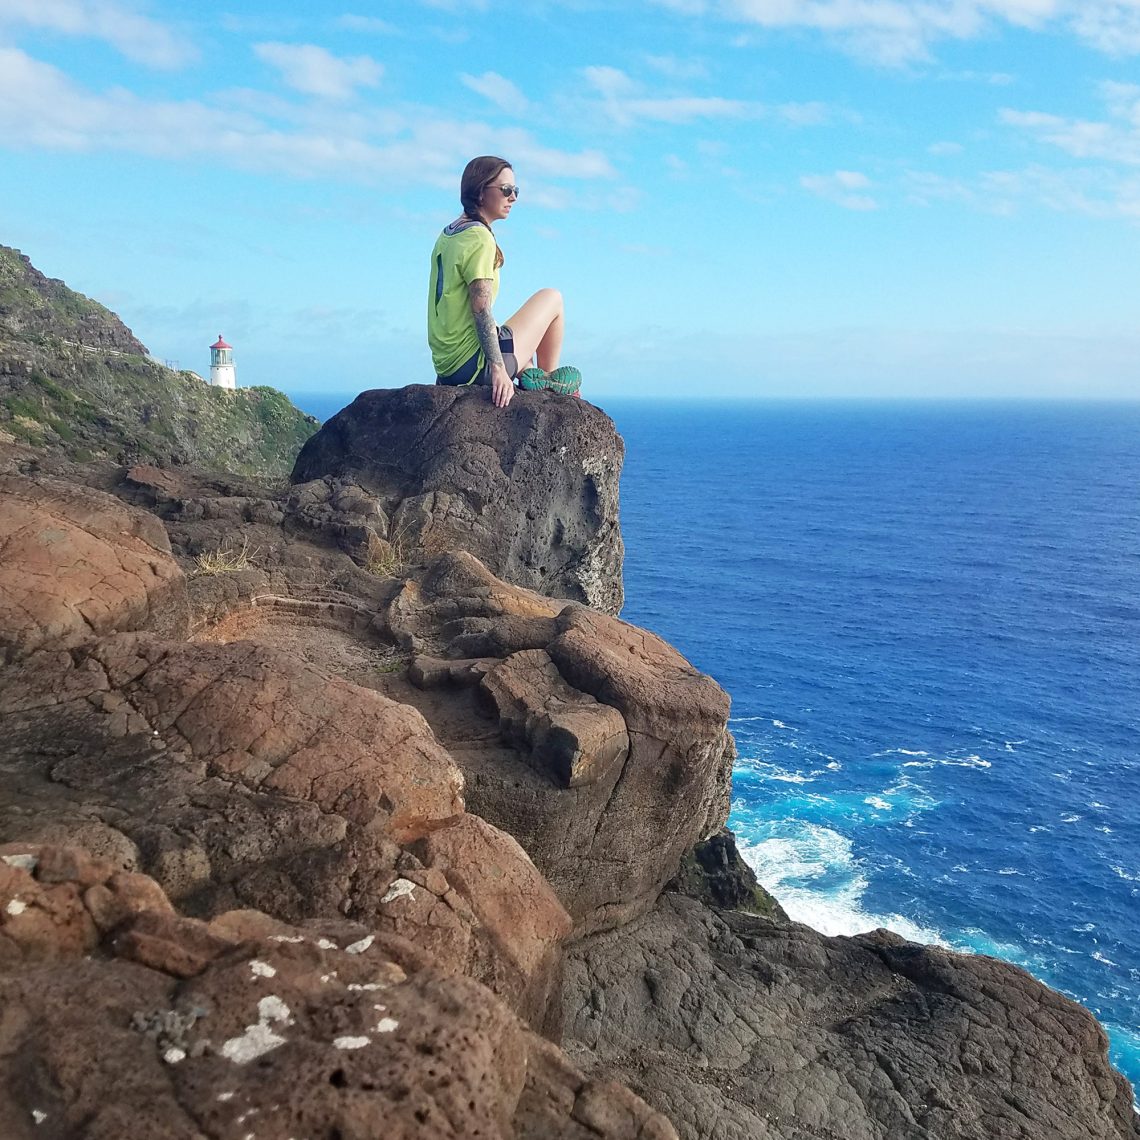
[[530, 489], [594, 743], [75, 561], [168, 1027], [237, 775]]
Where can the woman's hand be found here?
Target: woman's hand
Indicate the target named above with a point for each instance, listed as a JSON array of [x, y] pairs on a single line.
[[502, 388]]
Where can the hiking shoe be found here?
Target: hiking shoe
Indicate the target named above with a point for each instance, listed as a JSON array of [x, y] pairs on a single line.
[[531, 379], [565, 380]]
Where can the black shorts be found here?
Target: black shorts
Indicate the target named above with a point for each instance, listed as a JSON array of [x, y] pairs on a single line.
[[469, 371]]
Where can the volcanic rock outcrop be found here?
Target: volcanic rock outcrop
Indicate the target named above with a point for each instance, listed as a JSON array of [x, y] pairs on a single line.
[[123, 1018], [739, 1027], [318, 768], [530, 489]]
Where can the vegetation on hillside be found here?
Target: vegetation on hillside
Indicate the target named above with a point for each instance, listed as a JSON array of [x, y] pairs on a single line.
[[75, 379]]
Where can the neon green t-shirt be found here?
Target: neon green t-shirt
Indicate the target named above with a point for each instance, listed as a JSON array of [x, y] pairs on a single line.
[[460, 256]]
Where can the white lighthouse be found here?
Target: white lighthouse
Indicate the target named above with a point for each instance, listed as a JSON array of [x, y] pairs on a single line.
[[222, 365]]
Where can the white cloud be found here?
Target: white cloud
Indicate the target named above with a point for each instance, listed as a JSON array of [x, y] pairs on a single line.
[[1113, 28], [1092, 193], [900, 32], [804, 114], [498, 89], [1114, 139], [371, 25], [41, 107], [624, 102], [845, 188], [674, 68], [315, 71], [127, 30]]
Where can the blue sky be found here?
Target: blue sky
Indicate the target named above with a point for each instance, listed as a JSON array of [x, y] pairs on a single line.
[[736, 197]]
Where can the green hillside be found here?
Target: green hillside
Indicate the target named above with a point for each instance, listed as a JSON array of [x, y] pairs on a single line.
[[75, 379]]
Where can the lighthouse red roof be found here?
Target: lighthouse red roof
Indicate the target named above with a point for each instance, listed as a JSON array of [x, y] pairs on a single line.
[[221, 343]]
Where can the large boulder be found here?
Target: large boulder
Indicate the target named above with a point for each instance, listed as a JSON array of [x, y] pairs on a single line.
[[530, 489], [123, 1018], [595, 744], [741, 1027], [76, 561]]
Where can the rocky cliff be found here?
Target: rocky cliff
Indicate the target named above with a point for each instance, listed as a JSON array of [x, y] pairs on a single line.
[[312, 829], [75, 380]]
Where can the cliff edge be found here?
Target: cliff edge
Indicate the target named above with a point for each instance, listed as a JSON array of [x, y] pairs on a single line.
[[310, 826]]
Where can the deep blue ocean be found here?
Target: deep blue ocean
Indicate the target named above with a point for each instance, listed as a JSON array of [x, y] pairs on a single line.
[[928, 618]]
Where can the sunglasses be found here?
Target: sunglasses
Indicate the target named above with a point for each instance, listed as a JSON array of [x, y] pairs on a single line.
[[507, 190]]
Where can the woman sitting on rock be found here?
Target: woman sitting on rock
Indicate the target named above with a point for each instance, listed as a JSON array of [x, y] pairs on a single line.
[[467, 347]]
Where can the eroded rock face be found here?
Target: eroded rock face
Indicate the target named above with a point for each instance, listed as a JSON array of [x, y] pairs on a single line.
[[123, 1018], [530, 489], [237, 775], [75, 561], [594, 743], [738, 1026]]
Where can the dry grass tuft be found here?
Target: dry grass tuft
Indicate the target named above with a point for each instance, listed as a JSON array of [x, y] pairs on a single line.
[[226, 560]]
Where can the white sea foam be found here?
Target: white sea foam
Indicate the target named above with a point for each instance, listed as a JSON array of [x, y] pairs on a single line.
[[950, 762], [879, 802], [813, 872], [1101, 958], [781, 724], [770, 771], [1010, 871], [1120, 872], [1070, 817]]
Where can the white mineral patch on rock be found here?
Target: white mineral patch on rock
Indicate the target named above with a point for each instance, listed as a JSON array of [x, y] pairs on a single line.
[[16, 907], [351, 1042], [173, 1055], [23, 862], [38, 1117], [272, 1008], [326, 944], [262, 969], [286, 938], [223, 1097], [255, 1041], [259, 1039], [361, 946], [386, 1025], [365, 986], [400, 889]]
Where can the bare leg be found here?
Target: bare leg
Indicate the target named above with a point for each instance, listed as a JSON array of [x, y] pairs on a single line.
[[538, 328]]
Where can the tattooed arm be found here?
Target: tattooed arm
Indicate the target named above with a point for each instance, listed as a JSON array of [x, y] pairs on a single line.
[[502, 389]]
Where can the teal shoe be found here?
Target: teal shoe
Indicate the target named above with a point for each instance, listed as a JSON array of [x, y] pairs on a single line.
[[531, 379], [565, 380]]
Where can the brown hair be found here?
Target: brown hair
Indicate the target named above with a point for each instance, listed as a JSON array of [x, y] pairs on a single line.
[[478, 174]]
